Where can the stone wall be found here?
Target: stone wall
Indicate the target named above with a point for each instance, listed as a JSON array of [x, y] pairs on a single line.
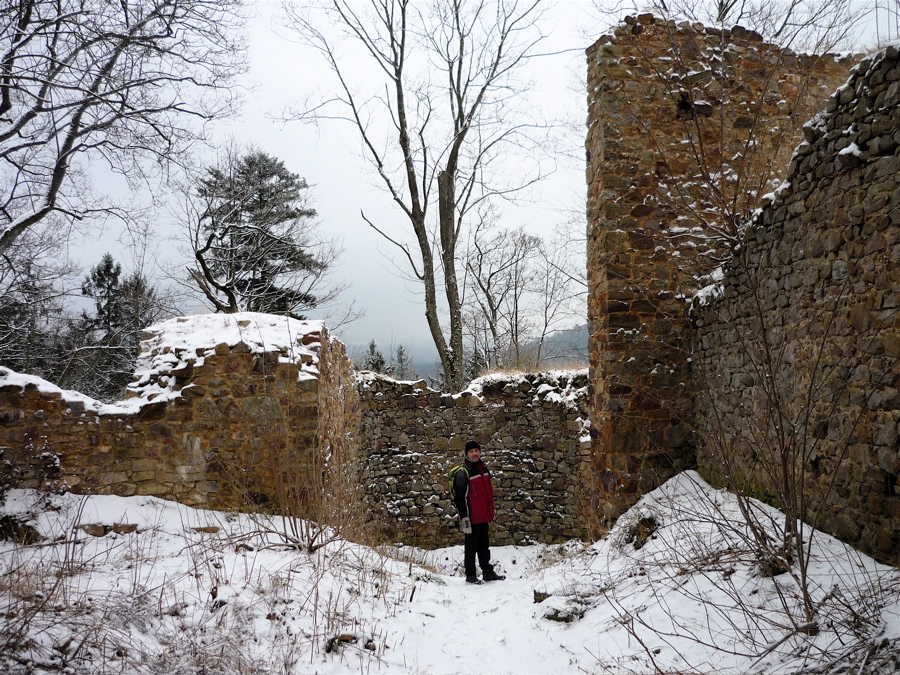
[[532, 431], [799, 344], [687, 127], [239, 416], [338, 404], [207, 423]]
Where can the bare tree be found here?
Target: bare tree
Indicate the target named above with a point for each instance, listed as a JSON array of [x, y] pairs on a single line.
[[521, 290], [127, 84], [499, 267], [447, 77], [558, 292]]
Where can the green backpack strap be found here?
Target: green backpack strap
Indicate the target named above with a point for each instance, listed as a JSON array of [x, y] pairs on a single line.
[[453, 471]]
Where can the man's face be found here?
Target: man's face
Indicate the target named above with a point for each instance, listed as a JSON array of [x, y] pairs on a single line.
[[474, 454]]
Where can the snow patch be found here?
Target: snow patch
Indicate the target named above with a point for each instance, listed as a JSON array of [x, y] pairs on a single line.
[[852, 149], [12, 378], [711, 291]]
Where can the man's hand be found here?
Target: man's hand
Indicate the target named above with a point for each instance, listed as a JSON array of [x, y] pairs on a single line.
[[465, 525]]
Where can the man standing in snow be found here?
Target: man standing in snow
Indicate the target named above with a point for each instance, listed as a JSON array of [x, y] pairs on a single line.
[[474, 499]]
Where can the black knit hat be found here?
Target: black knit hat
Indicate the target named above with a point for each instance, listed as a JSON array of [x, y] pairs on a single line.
[[471, 445]]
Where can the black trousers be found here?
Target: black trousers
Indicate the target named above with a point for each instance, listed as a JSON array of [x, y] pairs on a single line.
[[478, 544]]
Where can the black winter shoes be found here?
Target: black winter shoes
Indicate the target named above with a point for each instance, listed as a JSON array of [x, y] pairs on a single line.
[[488, 576]]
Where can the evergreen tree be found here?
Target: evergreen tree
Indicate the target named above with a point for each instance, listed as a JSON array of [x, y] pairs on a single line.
[[102, 284], [29, 311], [476, 364], [101, 347], [139, 306], [93, 352], [252, 238], [402, 366], [374, 360]]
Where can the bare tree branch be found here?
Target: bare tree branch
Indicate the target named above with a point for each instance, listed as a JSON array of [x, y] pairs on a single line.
[[446, 78], [123, 81]]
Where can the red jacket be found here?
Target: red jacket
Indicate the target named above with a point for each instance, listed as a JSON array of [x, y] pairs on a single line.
[[475, 499]]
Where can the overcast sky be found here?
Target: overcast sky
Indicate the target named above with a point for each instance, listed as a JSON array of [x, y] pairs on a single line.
[[329, 156]]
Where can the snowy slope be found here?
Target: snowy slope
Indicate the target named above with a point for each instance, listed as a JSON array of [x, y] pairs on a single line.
[[673, 588]]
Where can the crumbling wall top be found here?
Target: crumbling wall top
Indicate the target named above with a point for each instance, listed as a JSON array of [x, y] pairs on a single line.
[[171, 347]]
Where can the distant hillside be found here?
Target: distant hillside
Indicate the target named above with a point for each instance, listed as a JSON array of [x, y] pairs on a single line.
[[567, 347], [564, 348]]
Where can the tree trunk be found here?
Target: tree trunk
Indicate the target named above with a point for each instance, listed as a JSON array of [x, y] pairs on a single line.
[[446, 215]]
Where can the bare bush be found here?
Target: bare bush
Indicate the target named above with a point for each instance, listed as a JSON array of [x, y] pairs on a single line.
[[701, 583]]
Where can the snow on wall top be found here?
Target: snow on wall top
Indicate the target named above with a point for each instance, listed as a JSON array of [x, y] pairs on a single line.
[[567, 388], [22, 381], [558, 386], [202, 333], [174, 344], [171, 345]]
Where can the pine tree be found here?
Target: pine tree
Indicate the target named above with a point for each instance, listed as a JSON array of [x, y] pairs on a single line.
[[101, 347], [29, 311], [102, 285], [402, 366], [374, 359], [476, 364], [251, 241]]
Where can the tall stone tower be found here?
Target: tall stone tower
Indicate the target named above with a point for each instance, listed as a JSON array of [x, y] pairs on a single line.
[[688, 128]]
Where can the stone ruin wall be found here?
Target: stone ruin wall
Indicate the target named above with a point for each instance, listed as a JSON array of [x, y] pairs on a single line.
[[657, 92], [821, 260], [239, 419], [337, 433], [535, 445], [823, 264], [242, 426]]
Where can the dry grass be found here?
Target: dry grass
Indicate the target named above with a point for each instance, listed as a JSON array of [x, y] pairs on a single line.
[[203, 618]]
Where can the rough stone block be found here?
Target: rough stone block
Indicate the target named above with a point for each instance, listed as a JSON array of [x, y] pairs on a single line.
[[207, 487], [151, 488], [266, 409]]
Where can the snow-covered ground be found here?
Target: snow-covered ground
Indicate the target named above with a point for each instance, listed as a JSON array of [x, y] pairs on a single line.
[[156, 587]]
